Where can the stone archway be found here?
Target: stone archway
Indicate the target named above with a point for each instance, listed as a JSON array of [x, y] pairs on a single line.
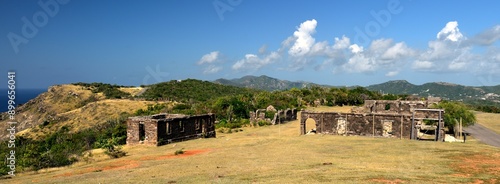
[[310, 124], [305, 121]]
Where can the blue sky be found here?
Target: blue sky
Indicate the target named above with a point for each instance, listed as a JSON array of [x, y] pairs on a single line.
[[50, 42]]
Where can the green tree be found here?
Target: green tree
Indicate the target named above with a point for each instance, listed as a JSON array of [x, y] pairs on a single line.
[[454, 111]]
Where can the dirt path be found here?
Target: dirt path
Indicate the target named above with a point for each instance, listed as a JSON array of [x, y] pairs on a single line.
[[484, 134]]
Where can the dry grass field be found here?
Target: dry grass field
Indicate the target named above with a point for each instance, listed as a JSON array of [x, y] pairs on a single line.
[[492, 121], [278, 154]]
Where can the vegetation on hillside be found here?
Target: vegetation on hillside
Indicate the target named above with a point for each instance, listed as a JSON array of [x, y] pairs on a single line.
[[109, 90], [62, 148], [190, 91]]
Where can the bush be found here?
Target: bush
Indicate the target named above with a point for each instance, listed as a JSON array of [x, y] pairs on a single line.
[[112, 149], [263, 123], [179, 152]]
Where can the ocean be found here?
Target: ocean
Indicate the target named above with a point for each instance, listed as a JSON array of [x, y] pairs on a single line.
[[22, 96]]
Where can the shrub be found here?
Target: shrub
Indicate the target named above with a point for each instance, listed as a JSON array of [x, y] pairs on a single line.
[[263, 123], [179, 152]]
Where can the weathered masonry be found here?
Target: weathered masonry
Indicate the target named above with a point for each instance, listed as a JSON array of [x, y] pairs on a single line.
[[402, 119], [280, 116], [166, 128]]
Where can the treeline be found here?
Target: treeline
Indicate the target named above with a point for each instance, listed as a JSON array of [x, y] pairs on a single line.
[[487, 108], [110, 91], [191, 90]]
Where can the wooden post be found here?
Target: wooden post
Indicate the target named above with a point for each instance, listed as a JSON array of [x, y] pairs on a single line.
[[460, 129]]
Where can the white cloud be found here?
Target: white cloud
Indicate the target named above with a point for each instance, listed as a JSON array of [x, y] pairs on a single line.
[[342, 43], [360, 64], [211, 69], [447, 53], [486, 38], [356, 48], [398, 51], [423, 65], [304, 39], [450, 32], [209, 58], [451, 51], [254, 62]]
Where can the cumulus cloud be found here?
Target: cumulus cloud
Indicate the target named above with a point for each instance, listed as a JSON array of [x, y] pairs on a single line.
[[423, 65], [303, 38], [342, 43], [451, 51], [356, 48], [254, 62], [445, 54], [382, 54], [360, 64], [209, 58], [450, 32], [398, 51]]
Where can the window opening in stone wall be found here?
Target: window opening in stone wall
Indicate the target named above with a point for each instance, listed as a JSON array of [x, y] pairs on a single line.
[[181, 126], [142, 132], [169, 129], [387, 107]]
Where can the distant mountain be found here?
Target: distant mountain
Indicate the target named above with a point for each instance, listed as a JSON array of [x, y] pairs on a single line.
[[439, 89], [264, 82], [448, 91]]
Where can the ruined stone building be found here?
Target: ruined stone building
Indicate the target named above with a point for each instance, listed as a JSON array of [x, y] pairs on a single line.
[[380, 118], [162, 129], [280, 116]]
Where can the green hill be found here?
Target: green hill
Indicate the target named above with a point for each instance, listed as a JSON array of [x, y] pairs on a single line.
[[191, 90], [264, 82], [449, 91]]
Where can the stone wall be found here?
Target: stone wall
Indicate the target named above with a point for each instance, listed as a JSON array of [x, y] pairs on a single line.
[[392, 106], [380, 118], [166, 128], [280, 116], [379, 125]]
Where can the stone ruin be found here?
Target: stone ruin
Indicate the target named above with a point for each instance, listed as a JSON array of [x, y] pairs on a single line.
[[378, 118], [280, 116], [162, 129]]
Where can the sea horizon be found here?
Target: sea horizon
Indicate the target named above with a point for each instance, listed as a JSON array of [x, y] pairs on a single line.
[[22, 96]]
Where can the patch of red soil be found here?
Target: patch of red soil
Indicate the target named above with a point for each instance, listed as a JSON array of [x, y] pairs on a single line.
[[470, 165], [186, 153], [378, 180]]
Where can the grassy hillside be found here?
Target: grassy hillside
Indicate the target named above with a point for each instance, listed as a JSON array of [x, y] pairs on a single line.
[[277, 154], [75, 106]]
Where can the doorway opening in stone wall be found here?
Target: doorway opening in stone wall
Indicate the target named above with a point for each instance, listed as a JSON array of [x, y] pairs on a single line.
[[142, 131], [427, 129], [310, 126]]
